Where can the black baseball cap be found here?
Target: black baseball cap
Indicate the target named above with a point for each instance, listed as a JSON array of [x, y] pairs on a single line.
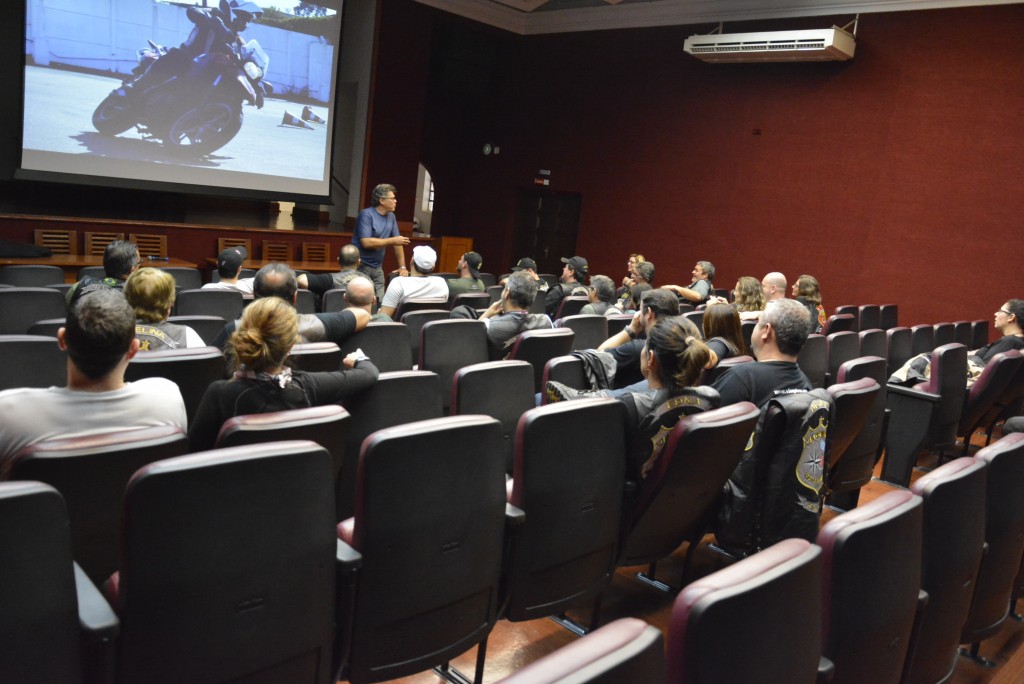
[[578, 265], [475, 263], [230, 259], [524, 264]]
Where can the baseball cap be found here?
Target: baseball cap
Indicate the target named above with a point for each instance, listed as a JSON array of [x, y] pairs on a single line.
[[424, 257], [525, 263], [475, 263], [230, 259], [578, 264]]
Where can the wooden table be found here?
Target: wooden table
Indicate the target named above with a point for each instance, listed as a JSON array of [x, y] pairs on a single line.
[[310, 266], [71, 263]]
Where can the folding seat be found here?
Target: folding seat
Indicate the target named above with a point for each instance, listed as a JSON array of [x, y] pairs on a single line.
[[333, 300], [712, 374], [695, 317], [848, 310], [723, 292], [550, 278], [678, 500], [327, 425], [244, 273], [567, 370], [627, 650], [92, 271], [47, 327], [570, 306], [448, 275], [398, 397], [20, 307], [979, 334], [813, 359], [869, 317], [872, 587], [150, 245], [898, 345], [56, 625], [854, 402], [945, 333], [925, 416], [187, 278], [841, 347], [840, 323], [889, 316], [446, 346], [63, 288], [952, 549], [539, 304], [618, 322], [590, 330], [96, 243], [91, 473], [474, 300], [57, 241], [425, 548], [572, 498], [495, 292], [922, 339], [748, 330], [758, 620], [192, 369], [418, 305], [32, 361], [539, 346], [227, 304], [414, 320], [999, 372], [1004, 542], [856, 467], [490, 280], [872, 343], [31, 276], [1009, 403], [316, 356], [685, 308], [305, 302], [962, 333], [387, 344], [499, 389], [207, 327], [228, 568]]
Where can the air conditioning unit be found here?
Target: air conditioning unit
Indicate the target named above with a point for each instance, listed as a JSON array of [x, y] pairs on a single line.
[[815, 45]]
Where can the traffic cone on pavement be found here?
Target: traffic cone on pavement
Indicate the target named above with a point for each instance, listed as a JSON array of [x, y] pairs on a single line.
[[290, 119], [309, 115]]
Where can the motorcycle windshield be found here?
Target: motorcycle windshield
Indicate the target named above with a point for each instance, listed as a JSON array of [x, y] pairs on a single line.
[[252, 51]]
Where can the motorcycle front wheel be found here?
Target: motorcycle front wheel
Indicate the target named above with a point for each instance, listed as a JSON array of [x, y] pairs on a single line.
[[206, 128], [113, 115]]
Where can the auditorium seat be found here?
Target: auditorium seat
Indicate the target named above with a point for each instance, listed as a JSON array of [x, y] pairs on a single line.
[[848, 310], [305, 302], [872, 587], [758, 620], [539, 346], [418, 305], [945, 333], [567, 370], [500, 389], [32, 361], [872, 343], [20, 307], [188, 279], [424, 549], [192, 369], [56, 626], [31, 276], [316, 357], [1000, 371], [889, 316], [856, 467], [47, 327], [387, 344], [979, 334], [207, 327], [333, 300], [447, 345], [227, 304], [415, 320], [962, 333], [474, 300], [572, 497], [570, 306], [495, 292], [899, 346], [91, 473], [723, 366], [840, 323], [589, 330], [228, 568], [840, 348], [854, 403], [922, 339], [813, 359], [869, 317]]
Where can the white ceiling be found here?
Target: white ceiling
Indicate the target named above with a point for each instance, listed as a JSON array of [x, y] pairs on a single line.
[[530, 17]]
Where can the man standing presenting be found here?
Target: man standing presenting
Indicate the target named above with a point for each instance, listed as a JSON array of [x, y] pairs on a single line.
[[376, 228]]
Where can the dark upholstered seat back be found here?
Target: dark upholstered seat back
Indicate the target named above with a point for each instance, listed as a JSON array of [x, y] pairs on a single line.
[[500, 389], [192, 369], [813, 359], [32, 361], [446, 346], [387, 344], [540, 346]]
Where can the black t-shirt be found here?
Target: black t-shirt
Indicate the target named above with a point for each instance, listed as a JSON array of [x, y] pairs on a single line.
[[1003, 344], [757, 382], [627, 363]]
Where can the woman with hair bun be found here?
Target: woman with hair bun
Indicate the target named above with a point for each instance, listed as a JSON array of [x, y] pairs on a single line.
[[262, 382]]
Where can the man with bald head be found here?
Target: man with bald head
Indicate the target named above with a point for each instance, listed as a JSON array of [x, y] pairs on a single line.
[[360, 294], [774, 286]]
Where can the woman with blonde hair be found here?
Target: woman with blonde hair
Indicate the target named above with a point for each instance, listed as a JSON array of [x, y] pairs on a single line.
[[151, 293], [262, 382], [807, 291], [748, 295]]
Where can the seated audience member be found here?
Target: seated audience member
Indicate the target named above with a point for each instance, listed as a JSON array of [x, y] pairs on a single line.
[[602, 296], [120, 259], [469, 275], [777, 340], [643, 274], [672, 361], [348, 261], [530, 267], [151, 293], [229, 268], [807, 292], [630, 278], [99, 338], [508, 316], [748, 298], [722, 332], [1007, 323], [571, 282], [278, 280], [262, 382], [625, 346], [419, 284], [359, 294], [636, 294], [701, 287]]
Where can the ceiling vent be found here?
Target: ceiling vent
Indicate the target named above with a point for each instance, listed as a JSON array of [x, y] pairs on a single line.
[[815, 45]]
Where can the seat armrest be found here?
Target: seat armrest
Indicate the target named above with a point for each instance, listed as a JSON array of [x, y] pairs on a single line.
[[910, 414], [826, 670], [99, 627], [913, 393], [915, 632], [348, 561], [514, 519]]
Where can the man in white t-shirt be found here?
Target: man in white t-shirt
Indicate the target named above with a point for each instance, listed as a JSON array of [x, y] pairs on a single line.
[[419, 285], [99, 338], [229, 267]]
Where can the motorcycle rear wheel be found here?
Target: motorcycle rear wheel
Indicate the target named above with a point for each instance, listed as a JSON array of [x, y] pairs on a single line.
[[205, 128], [113, 116]]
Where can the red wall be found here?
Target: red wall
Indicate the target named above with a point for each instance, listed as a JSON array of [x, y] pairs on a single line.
[[893, 177]]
